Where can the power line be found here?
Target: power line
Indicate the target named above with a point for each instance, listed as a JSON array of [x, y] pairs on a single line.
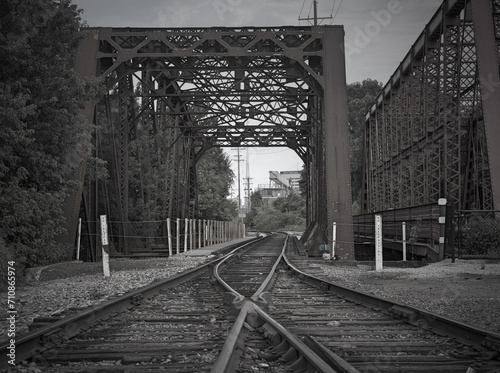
[[337, 11], [272, 152], [238, 159], [301, 9], [248, 178], [331, 13], [333, 7], [315, 18]]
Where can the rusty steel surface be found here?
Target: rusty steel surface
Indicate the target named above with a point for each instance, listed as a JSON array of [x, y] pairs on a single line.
[[226, 87], [422, 218], [430, 133], [87, 50]]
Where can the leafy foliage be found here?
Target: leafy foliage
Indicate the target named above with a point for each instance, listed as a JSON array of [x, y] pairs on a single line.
[[152, 179], [359, 98], [41, 98], [214, 179], [147, 163], [285, 214], [480, 235], [255, 203]]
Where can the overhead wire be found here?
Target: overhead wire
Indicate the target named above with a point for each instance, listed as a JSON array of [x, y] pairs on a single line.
[[310, 7], [301, 9], [331, 13], [270, 152], [340, 4]]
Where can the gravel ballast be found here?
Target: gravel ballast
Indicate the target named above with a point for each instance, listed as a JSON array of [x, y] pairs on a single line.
[[464, 290], [467, 290], [78, 285]]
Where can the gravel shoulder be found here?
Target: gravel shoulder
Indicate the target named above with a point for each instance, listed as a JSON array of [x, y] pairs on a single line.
[[464, 290], [467, 290], [52, 290]]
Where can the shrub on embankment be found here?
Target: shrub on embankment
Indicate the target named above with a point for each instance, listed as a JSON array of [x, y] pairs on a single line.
[[480, 235], [41, 99]]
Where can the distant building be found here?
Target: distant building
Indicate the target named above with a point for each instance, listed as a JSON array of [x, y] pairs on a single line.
[[281, 184], [293, 178]]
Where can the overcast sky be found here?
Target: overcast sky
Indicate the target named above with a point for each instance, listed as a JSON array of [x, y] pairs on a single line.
[[378, 34]]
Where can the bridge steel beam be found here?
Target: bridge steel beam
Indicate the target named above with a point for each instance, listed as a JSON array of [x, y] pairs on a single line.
[[430, 132], [205, 87], [86, 52], [486, 16], [338, 193]]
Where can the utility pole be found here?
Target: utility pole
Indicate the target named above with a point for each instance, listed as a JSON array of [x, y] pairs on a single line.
[[315, 18], [238, 159], [248, 178]]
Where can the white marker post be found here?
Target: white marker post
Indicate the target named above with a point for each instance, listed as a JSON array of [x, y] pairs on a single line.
[[200, 222], [334, 239], [192, 230], [79, 236], [378, 242], [178, 236], [205, 233], [186, 234], [169, 233], [442, 227], [404, 241], [105, 246]]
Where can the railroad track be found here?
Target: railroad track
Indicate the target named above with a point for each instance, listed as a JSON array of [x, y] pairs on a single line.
[[244, 312], [182, 328], [376, 335], [249, 269], [178, 324]]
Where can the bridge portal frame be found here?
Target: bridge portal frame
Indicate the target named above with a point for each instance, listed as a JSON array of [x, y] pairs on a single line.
[[250, 86]]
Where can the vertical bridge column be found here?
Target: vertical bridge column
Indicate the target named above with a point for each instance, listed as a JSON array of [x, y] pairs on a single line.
[[338, 176], [85, 66], [487, 57]]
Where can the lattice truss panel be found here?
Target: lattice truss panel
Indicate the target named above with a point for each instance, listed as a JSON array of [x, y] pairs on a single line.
[[212, 87], [249, 87], [425, 134]]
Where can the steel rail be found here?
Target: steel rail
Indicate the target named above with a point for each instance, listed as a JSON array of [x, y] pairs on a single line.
[[311, 358], [257, 317], [227, 361], [227, 258], [462, 332], [30, 344], [340, 365], [258, 296]]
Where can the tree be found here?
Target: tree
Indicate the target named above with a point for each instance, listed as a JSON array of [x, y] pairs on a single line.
[[214, 179], [255, 203], [148, 173], [360, 96], [41, 98], [285, 213], [292, 203]]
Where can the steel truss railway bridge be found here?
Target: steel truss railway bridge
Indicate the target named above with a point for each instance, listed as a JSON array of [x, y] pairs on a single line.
[[430, 134], [433, 131]]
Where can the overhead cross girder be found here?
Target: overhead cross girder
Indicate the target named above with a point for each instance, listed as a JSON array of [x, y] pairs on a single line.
[[277, 86]]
